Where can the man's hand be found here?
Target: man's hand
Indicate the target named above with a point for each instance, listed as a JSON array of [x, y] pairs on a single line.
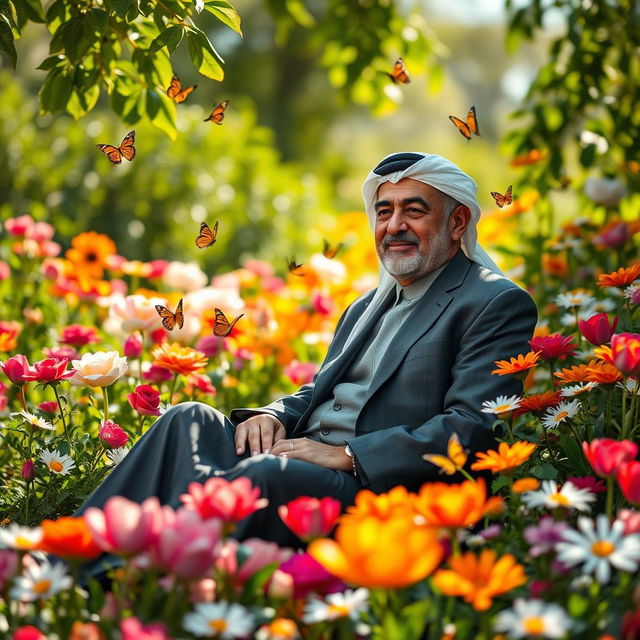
[[261, 431], [324, 455]]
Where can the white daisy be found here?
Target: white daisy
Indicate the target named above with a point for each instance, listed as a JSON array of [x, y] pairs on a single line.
[[57, 462], [556, 415], [18, 537], [222, 619], [36, 421], [336, 605], [575, 299], [598, 546], [605, 304], [40, 581], [117, 455], [569, 319], [533, 618], [568, 497], [576, 389], [502, 404]]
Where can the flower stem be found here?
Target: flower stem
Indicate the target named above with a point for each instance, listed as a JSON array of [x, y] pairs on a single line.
[[105, 400], [64, 423], [141, 353], [173, 387], [23, 399], [623, 416], [610, 490]]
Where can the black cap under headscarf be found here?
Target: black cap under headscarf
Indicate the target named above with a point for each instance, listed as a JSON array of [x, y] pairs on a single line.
[[397, 162]]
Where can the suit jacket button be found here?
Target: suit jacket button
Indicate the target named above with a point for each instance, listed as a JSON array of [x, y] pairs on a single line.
[[324, 431], [337, 406]]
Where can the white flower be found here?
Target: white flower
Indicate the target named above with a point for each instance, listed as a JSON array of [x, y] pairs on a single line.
[[555, 415], [18, 537], [605, 191], [605, 304], [630, 290], [575, 299], [221, 296], [57, 462], [184, 276], [576, 389], [569, 497], [135, 313], [598, 546], [336, 605], [220, 619], [533, 618], [569, 319], [503, 404], [117, 455], [41, 581], [99, 369], [329, 271], [37, 421]]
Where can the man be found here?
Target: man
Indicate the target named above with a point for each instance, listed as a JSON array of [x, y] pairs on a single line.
[[410, 364]]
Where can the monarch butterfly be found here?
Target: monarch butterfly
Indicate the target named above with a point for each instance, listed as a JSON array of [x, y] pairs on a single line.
[[294, 267], [126, 149], [399, 73], [170, 320], [503, 200], [454, 460], [206, 237], [176, 92], [221, 326], [217, 115], [468, 127], [330, 252]]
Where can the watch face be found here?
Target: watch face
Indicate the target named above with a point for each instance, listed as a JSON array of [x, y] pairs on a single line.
[[348, 451]]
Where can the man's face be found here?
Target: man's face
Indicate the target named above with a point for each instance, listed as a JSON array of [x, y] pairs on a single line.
[[413, 233]]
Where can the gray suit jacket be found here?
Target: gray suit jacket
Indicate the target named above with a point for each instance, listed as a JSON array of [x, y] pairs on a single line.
[[433, 378]]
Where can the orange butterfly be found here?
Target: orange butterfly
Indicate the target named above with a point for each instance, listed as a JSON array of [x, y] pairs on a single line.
[[453, 461], [221, 326], [468, 127], [503, 200], [176, 92], [217, 115], [126, 149], [206, 237], [331, 252], [169, 319], [399, 73], [293, 267]]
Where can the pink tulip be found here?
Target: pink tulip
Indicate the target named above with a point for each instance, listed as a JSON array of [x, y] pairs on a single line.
[[597, 329], [631, 520], [133, 346], [256, 554], [309, 576], [300, 372], [8, 566], [628, 475], [112, 434], [16, 368], [125, 527], [310, 518], [606, 455], [133, 629]]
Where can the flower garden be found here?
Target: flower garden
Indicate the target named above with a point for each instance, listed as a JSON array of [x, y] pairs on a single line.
[[550, 549]]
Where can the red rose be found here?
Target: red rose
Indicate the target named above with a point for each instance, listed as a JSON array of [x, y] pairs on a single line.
[[112, 434], [145, 400]]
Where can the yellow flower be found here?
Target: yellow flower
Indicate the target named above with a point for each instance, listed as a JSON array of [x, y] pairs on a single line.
[[506, 459], [179, 359]]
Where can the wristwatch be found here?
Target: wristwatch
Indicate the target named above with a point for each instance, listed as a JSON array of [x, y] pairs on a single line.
[[348, 451]]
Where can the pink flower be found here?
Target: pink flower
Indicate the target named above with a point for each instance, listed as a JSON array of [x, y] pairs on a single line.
[[145, 399], [309, 576], [5, 271], [50, 406], [597, 329], [78, 335], [49, 370], [259, 267], [28, 472], [625, 348], [41, 232], [19, 226], [613, 237], [16, 368], [630, 518], [606, 455], [185, 544], [63, 353], [157, 374], [203, 590], [553, 347], [244, 559], [588, 482], [300, 372], [219, 498], [210, 345], [125, 527], [8, 566], [133, 629], [310, 518], [133, 346], [200, 382], [158, 267], [323, 304], [112, 434], [628, 475]]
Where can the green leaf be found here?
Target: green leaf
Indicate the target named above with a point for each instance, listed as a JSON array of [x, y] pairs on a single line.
[[83, 101], [121, 7], [50, 62], [170, 38], [574, 454], [6, 42], [130, 106], [32, 9], [161, 112], [8, 12], [55, 91], [225, 13], [545, 471], [299, 13], [96, 21], [203, 55]]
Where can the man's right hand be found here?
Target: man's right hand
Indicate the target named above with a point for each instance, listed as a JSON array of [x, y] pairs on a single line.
[[261, 432]]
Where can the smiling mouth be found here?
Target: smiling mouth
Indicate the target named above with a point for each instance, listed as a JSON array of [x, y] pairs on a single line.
[[399, 246]]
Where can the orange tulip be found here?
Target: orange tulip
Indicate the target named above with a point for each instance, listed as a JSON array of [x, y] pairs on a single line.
[[397, 502], [69, 538]]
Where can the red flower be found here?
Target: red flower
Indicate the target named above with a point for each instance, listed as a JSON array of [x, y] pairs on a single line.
[[112, 434], [50, 406], [49, 370], [310, 518], [28, 472], [63, 352], [133, 346], [28, 633], [16, 368], [78, 335], [538, 402], [588, 482], [300, 372], [145, 400], [605, 455], [597, 330], [629, 480], [157, 374], [553, 347]]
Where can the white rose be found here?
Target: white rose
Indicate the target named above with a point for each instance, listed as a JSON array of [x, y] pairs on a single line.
[[99, 369], [605, 191], [137, 313], [184, 276]]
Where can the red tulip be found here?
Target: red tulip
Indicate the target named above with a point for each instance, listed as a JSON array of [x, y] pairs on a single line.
[[49, 370], [597, 330], [16, 368], [629, 481], [606, 456], [28, 472], [310, 518], [553, 347], [145, 400]]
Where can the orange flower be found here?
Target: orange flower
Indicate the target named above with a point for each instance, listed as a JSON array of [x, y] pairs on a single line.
[[555, 265], [179, 359], [90, 253], [397, 502], [480, 578], [538, 402], [454, 505], [506, 459], [620, 278], [525, 484], [602, 372], [85, 631], [531, 157], [578, 373], [69, 538], [517, 366], [7, 342]]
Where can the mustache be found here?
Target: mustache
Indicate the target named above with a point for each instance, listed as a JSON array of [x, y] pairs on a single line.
[[405, 236]]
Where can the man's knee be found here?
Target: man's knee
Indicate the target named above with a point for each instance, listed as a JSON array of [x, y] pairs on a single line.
[[185, 415]]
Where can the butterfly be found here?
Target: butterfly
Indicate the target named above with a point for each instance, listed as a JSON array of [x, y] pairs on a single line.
[[126, 149], [399, 73], [330, 252], [176, 92], [217, 115], [453, 461], [221, 326], [206, 237], [468, 127], [294, 267], [169, 319], [503, 200]]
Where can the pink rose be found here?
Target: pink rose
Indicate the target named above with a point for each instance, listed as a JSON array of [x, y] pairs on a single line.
[[78, 335], [112, 434], [157, 374], [133, 346], [49, 370], [19, 226], [145, 400], [41, 232], [64, 352], [50, 406], [16, 368]]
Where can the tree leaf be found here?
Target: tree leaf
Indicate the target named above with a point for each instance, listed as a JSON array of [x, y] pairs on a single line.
[[8, 12], [161, 112], [170, 38], [50, 62], [225, 13], [6, 42], [83, 100], [31, 9], [121, 7], [96, 21], [203, 55], [55, 91]]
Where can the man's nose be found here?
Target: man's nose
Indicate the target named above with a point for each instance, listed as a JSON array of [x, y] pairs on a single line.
[[396, 223]]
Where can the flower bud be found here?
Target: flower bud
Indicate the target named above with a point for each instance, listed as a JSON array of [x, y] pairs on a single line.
[[28, 472]]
